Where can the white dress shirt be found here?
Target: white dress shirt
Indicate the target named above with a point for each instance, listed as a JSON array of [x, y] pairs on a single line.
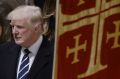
[[33, 49]]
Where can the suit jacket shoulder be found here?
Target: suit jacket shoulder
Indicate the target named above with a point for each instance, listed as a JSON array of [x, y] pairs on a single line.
[[8, 60]]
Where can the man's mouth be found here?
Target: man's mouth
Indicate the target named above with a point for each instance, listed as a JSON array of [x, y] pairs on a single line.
[[17, 38]]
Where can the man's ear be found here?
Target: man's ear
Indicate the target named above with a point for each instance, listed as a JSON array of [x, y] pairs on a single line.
[[37, 27]]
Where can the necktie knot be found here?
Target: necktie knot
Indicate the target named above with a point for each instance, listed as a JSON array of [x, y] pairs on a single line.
[[27, 51]]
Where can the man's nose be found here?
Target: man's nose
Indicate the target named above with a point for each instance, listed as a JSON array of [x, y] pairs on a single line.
[[14, 30]]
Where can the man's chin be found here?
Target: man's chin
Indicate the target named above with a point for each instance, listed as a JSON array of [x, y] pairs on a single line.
[[19, 42]]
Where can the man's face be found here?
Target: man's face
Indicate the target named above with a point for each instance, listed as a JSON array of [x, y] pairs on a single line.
[[23, 34]]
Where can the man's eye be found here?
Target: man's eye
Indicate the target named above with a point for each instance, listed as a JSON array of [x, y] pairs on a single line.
[[20, 26]]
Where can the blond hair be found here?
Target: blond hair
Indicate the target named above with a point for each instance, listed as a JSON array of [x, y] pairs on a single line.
[[31, 12]]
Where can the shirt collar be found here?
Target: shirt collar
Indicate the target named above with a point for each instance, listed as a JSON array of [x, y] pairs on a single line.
[[35, 47]]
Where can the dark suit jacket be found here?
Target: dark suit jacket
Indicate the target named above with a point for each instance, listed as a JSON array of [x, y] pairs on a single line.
[[42, 65]]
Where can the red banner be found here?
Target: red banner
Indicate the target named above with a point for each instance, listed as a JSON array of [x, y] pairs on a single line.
[[88, 44]]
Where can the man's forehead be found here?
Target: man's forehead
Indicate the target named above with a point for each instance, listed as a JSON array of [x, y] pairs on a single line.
[[19, 21]]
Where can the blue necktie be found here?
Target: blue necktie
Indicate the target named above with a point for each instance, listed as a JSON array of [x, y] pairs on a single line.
[[24, 66]]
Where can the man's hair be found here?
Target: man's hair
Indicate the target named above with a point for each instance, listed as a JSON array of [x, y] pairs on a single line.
[[31, 12]]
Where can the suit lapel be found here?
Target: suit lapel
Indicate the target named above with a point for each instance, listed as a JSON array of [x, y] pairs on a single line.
[[13, 56], [41, 60]]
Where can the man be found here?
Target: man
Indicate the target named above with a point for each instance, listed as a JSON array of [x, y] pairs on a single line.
[[27, 29]]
